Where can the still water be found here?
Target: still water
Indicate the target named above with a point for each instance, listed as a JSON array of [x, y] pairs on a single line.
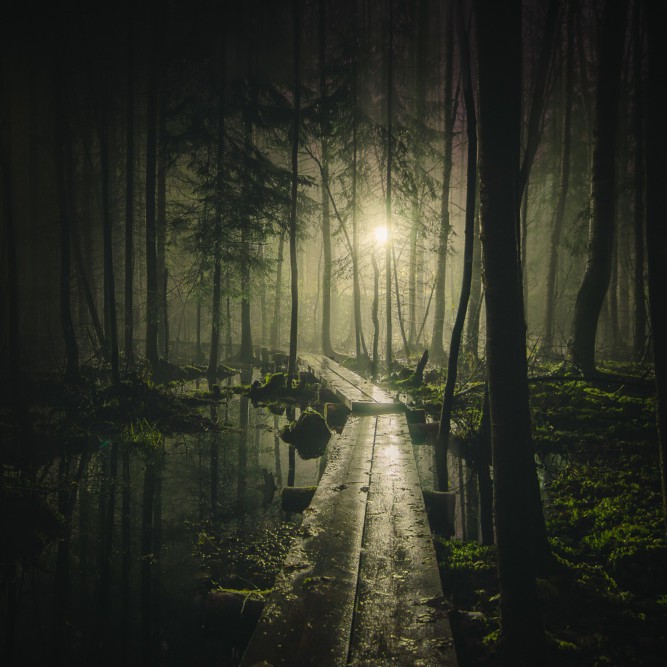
[[158, 535], [166, 546]]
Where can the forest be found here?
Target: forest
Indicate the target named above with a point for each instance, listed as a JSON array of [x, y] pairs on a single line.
[[462, 201]]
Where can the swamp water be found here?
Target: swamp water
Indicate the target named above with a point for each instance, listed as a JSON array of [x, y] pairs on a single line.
[[171, 543], [159, 535]]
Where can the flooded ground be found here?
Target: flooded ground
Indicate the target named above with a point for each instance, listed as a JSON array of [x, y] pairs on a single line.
[[168, 547], [161, 549]]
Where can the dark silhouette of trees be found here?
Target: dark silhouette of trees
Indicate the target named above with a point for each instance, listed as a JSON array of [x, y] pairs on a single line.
[[442, 443], [656, 215], [514, 476], [603, 189], [294, 276]]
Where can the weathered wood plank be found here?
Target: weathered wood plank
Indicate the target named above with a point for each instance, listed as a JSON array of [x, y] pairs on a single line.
[[348, 386], [308, 618], [398, 619]]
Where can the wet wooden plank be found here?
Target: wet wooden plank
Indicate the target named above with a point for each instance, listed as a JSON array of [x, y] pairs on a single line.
[[398, 619], [308, 618], [350, 387], [345, 391]]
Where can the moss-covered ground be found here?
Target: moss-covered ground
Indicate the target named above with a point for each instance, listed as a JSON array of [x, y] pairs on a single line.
[[605, 600]]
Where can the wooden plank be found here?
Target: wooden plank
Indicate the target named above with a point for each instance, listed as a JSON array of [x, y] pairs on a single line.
[[375, 408], [399, 619], [345, 391], [351, 386], [308, 618]]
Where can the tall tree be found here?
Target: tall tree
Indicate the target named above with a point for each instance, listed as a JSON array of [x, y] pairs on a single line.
[[388, 207], [129, 196], [110, 310], [152, 350], [499, 32], [325, 130], [64, 212], [656, 215], [563, 184], [11, 350], [442, 443], [603, 189], [638, 122], [437, 353], [296, 123], [212, 372]]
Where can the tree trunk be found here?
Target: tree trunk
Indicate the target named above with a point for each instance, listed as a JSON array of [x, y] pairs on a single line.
[[246, 352], [356, 287], [475, 306], [603, 190], [146, 592], [161, 229], [442, 442], [212, 372], [499, 32], [388, 243], [399, 310], [294, 276], [638, 120], [152, 349], [110, 311], [656, 214], [10, 326], [563, 186], [374, 316], [325, 130], [275, 322], [71, 347], [437, 353], [129, 200], [483, 468], [126, 550]]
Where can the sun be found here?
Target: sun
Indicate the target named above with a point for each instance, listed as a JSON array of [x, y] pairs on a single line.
[[381, 235]]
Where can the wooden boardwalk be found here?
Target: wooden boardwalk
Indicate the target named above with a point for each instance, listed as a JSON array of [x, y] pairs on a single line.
[[360, 585], [358, 394]]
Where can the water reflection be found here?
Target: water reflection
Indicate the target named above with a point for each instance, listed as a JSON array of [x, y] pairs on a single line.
[[116, 549]]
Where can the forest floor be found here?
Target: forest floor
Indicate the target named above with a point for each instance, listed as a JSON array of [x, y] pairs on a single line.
[[605, 600]]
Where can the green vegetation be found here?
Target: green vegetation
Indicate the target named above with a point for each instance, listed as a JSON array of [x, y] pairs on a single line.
[[605, 598]]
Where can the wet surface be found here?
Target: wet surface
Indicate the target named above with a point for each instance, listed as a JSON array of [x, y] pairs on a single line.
[[159, 547]]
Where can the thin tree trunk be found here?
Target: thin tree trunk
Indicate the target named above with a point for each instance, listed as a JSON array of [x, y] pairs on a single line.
[[161, 229], [638, 120], [656, 214], [442, 442], [212, 372], [399, 310], [325, 130], [146, 592], [539, 97], [374, 316], [110, 310], [388, 243], [152, 349], [483, 466], [603, 187], [129, 198], [71, 347], [275, 322], [126, 550], [11, 387], [296, 121], [563, 186], [475, 306], [356, 288]]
